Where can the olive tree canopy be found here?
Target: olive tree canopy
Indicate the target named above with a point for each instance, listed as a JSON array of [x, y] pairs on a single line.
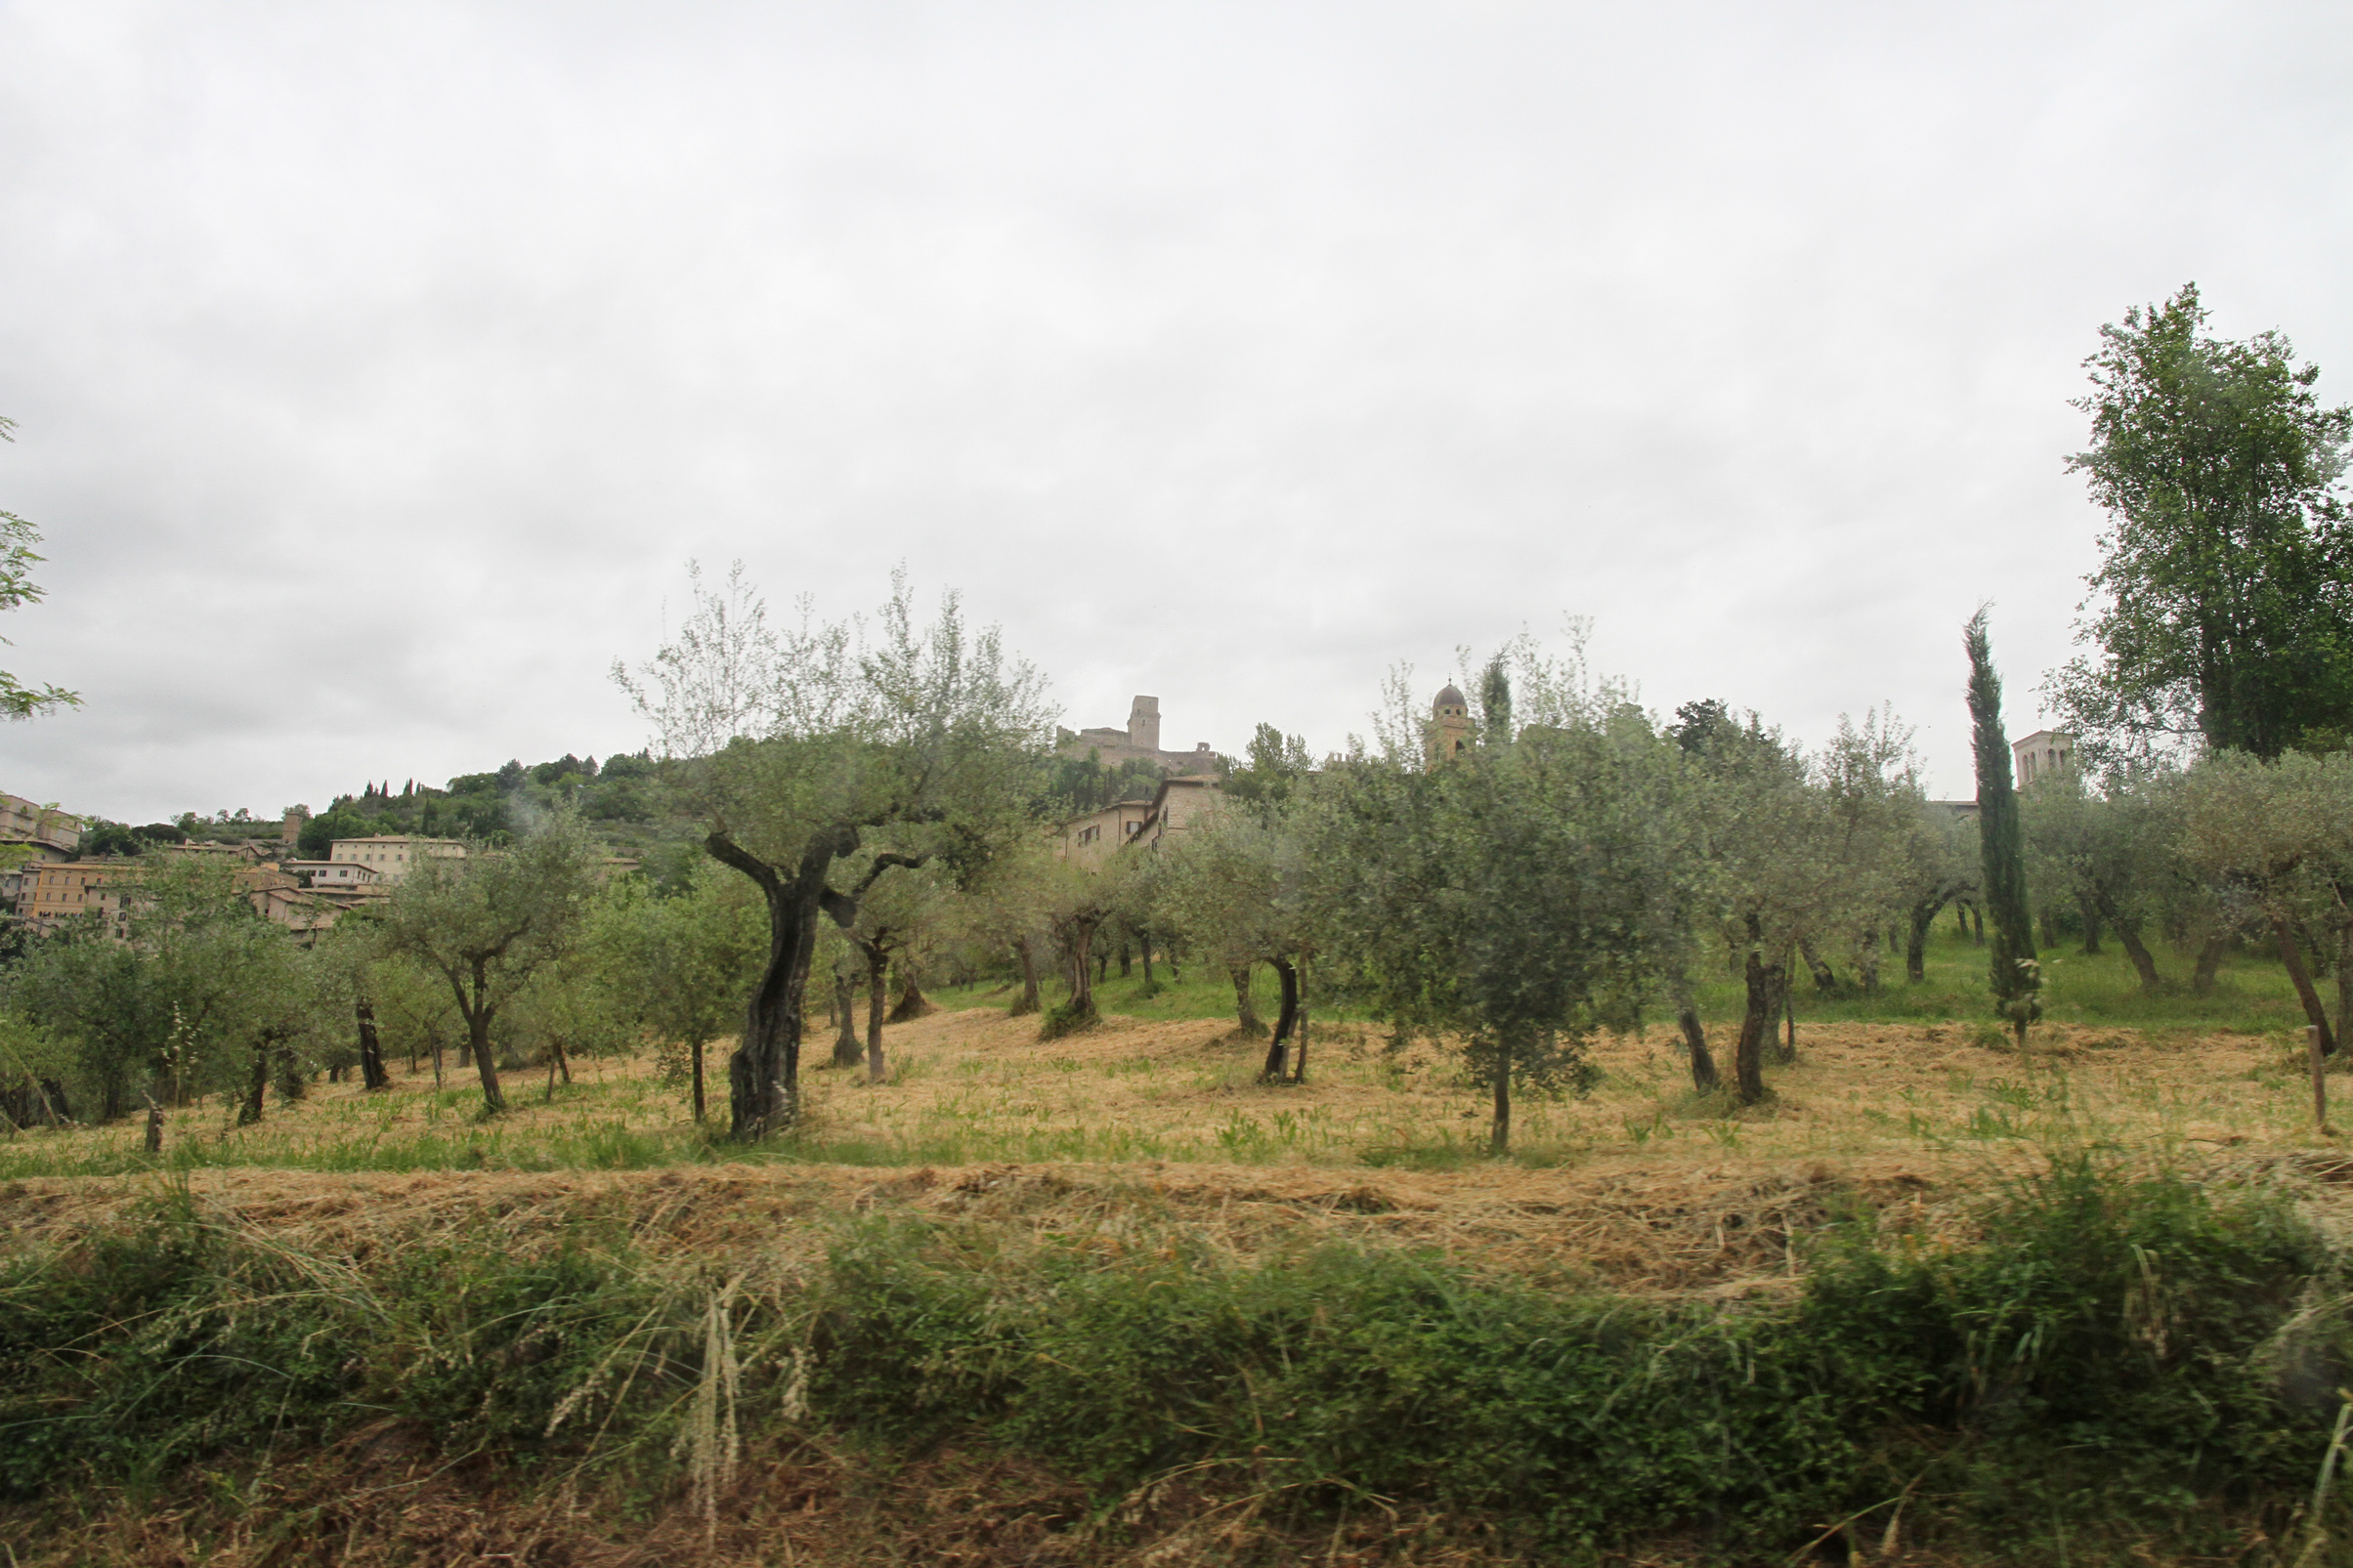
[[1516, 895], [811, 749]]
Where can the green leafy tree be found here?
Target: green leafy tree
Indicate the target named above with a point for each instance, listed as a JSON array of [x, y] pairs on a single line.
[[486, 923], [2220, 609], [2278, 835], [1517, 896], [1236, 887], [822, 752], [17, 590], [687, 960], [2111, 850], [1275, 765], [2016, 978]]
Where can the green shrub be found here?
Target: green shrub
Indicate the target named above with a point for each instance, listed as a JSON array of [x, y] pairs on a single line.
[[173, 1339]]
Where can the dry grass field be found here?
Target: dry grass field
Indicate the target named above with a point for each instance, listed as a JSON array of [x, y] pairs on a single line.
[[1639, 1184]]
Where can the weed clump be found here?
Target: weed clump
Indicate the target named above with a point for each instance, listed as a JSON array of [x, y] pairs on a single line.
[[1066, 1018]]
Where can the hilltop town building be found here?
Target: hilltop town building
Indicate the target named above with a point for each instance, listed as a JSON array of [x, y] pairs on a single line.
[[1090, 840], [391, 856], [54, 894], [1181, 802], [1139, 741], [42, 833], [324, 874]]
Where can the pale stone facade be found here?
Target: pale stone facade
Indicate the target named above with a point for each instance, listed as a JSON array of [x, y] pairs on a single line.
[[1091, 839], [322, 874], [391, 856], [1179, 804]]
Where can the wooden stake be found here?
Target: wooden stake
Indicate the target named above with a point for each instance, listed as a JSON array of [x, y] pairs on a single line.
[[2320, 1081]]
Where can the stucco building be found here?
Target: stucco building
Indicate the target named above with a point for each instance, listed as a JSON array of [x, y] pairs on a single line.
[[391, 856], [39, 831], [1182, 801], [52, 894]]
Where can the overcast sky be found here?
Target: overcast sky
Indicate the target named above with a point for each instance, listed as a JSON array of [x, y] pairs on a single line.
[[379, 368]]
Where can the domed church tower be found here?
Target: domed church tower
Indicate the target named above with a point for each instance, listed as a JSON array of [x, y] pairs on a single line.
[[1450, 717]]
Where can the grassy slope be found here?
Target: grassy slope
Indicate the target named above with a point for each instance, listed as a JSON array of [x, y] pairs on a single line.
[[2252, 995]]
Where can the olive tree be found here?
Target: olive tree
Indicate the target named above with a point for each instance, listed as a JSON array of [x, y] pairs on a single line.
[[173, 1006], [1937, 864], [2280, 834], [486, 923], [1517, 895], [903, 909], [1802, 854], [684, 962], [1234, 887], [2112, 850], [820, 756]]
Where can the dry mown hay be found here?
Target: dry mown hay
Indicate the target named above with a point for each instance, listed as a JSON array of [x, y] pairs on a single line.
[[1652, 1192], [1728, 1225]]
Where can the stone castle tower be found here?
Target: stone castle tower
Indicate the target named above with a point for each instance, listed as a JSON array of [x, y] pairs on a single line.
[[1144, 724], [1139, 741], [1450, 724]]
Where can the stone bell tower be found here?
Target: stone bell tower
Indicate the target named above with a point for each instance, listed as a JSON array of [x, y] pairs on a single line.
[[1449, 724]]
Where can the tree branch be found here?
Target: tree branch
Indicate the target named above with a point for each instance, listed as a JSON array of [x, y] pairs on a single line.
[[843, 907], [727, 852]]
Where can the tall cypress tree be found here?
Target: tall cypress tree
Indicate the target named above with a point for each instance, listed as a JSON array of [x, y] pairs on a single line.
[[2017, 979]]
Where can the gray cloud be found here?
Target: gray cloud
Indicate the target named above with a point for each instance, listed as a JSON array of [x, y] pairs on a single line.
[[378, 370]]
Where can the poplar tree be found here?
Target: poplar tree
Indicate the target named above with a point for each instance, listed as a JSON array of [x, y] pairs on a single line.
[[2225, 589], [2016, 978]]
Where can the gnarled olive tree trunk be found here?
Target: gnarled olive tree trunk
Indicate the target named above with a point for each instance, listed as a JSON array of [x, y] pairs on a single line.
[[877, 982], [2292, 955], [847, 1051], [1029, 977], [371, 1051], [763, 1076], [1764, 981], [1246, 1013], [1278, 1050]]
